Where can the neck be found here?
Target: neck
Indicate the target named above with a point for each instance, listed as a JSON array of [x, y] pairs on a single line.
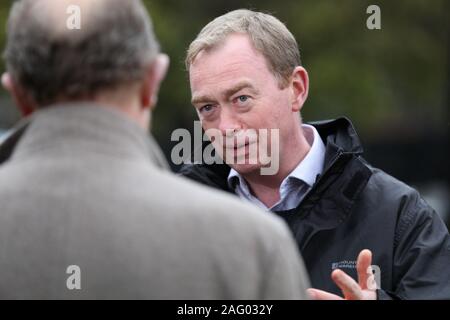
[[121, 100], [267, 187]]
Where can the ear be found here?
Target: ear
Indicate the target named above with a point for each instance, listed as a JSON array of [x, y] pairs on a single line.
[[155, 75], [300, 87], [21, 98]]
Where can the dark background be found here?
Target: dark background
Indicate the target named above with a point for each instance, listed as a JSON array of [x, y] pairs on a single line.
[[393, 83]]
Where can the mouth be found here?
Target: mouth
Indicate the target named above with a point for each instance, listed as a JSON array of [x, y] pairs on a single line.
[[236, 147], [241, 153], [241, 146]]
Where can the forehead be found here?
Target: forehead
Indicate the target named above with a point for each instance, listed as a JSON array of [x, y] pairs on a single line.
[[230, 62]]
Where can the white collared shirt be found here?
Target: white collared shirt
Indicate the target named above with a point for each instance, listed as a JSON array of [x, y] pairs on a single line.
[[297, 183]]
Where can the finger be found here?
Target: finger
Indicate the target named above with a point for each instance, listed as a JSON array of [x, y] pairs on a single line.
[[317, 294], [363, 268], [350, 288]]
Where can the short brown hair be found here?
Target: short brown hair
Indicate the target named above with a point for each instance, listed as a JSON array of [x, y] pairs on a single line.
[[268, 34]]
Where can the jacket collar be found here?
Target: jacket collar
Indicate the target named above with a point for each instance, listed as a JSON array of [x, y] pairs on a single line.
[[9, 144], [331, 199], [340, 137], [70, 128]]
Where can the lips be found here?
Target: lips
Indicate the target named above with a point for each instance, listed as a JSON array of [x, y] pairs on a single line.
[[239, 151], [235, 147], [238, 144]]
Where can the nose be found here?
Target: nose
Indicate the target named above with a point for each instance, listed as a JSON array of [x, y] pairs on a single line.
[[229, 123]]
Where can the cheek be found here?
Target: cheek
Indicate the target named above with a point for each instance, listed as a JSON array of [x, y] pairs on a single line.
[[214, 135], [282, 108], [277, 106], [210, 128], [271, 115]]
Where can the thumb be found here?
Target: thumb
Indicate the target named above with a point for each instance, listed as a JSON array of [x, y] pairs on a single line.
[[317, 294]]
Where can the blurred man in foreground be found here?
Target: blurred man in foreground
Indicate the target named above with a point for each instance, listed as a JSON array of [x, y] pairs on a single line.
[[246, 77], [88, 209]]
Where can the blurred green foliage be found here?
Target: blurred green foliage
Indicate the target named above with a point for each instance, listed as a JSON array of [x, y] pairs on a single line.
[[393, 82]]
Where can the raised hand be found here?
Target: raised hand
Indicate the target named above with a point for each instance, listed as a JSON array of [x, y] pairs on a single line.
[[364, 289]]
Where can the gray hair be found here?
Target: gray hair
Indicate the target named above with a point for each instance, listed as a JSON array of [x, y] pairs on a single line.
[[111, 49], [269, 36]]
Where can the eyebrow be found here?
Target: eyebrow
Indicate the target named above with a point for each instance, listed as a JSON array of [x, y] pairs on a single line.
[[201, 99], [238, 87], [227, 93]]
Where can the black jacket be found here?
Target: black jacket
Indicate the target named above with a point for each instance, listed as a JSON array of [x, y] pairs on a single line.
[[353, 206]]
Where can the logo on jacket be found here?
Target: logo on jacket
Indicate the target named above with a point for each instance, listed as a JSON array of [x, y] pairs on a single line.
[[344, 264], [373, 282]]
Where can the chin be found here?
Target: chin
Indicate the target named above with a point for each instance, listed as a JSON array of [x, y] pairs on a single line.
[[244, 169]]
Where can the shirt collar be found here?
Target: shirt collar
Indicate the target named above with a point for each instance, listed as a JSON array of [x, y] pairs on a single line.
[[312, 165]]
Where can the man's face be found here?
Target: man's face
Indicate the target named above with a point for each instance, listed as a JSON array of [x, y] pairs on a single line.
[[234, 91]]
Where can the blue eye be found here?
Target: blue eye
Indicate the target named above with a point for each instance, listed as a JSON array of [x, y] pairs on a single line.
[[243, 98], [206, 108]]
